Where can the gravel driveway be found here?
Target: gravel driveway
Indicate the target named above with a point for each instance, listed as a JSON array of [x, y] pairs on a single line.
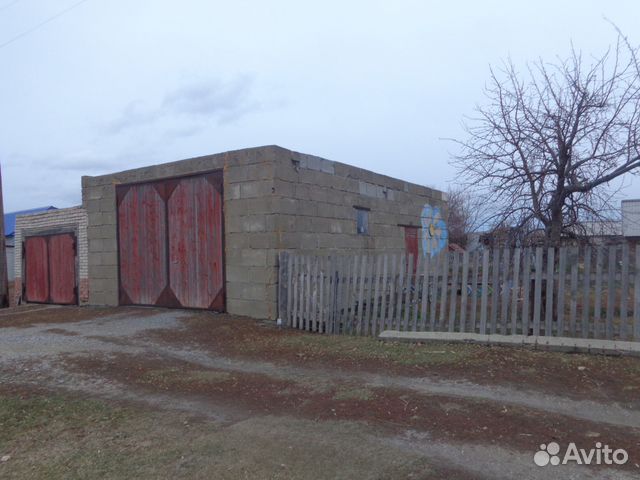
[[271, 403]]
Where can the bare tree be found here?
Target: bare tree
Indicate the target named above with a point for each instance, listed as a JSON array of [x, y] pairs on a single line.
[[546, 147], [463, 215]]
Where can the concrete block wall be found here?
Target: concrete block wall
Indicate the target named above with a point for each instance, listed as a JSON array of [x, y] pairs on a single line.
[[72, 219], [249, 223], [316, 199], [274, 199]]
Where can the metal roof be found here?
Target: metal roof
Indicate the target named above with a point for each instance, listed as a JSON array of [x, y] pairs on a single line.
[[10, 218]]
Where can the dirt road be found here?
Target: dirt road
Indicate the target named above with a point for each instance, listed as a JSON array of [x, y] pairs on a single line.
[[124, 393]]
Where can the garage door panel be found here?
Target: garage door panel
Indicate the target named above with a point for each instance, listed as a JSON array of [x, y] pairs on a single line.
[[195, 239], [62, 269], [142, 244], [36, 270], [50, 269]]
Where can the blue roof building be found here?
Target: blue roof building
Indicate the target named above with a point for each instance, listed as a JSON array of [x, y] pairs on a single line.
[[10, 218]]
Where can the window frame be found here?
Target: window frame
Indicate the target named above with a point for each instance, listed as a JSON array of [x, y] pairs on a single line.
[[362, 217]]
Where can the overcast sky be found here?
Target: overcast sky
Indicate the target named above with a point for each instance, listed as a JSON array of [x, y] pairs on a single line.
[[116, 84]]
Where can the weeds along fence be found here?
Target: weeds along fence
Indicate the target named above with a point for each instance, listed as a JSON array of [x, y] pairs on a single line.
[[585, 292]]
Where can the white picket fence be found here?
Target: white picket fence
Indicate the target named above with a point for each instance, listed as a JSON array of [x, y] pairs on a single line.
[[583, 292]]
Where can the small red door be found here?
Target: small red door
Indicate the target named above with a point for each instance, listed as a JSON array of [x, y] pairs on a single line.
[[411, 243], [50, 269]]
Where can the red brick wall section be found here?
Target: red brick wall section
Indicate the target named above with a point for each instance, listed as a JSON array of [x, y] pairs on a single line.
[[17, 291], [84, 290]]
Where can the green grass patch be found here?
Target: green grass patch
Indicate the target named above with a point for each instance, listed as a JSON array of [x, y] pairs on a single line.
[[165, 377], [364, 348]]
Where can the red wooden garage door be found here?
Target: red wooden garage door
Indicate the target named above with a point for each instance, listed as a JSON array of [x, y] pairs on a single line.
[[170, 236], [50, 269]]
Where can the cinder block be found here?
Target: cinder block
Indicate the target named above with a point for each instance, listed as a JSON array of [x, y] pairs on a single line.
[[259, 188], [246, 291]]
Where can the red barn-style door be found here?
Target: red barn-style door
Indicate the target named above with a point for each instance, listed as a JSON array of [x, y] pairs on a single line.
[[170, 241], [50, 269], [411, 243]]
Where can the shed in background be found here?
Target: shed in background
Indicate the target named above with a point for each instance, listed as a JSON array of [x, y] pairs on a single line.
[[9, 232], [51, 257]]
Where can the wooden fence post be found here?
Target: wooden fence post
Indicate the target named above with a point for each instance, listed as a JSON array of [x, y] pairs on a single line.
[[586, 292], [474, 292], [537, 299], [562, 268], [624, 292], [443, 292], [574, 290], [516, 291], [611, 296], [507, 286], [383, 293], [495, 289], [463, 291], [484, 291], [454, 291], [597, 312], [407, 293], [549, 287]]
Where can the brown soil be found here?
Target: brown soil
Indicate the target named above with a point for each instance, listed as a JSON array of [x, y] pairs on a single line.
[[457, 420], [598, 377], [33, 314]]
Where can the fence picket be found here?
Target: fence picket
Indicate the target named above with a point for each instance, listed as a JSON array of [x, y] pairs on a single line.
[[383, 296], [506, 291], [611, 297], [392, 292], [562, 268], [454, 291], [425, 291], [574, 290], [328, 300], [537, 299], [474, 292], [484, 291], [549, 287], [526, 291], [321, 320], [463, 291], [338, 293], [624, 292], [307, 293], [407, 292], [416, 294], [433, 291], [316, 285], [293, 321], [376, 292], [443, 291], [586, 292], [495, 289], [400, 290], [516, 291], [597, 312], [360, 308]]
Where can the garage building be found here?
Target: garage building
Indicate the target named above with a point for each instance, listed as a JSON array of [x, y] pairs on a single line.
[[206, 232]]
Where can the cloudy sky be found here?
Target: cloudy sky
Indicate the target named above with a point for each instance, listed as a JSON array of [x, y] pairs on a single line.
[[115, 84]]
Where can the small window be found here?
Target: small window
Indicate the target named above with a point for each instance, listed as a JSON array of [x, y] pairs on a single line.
[[362, 221]]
